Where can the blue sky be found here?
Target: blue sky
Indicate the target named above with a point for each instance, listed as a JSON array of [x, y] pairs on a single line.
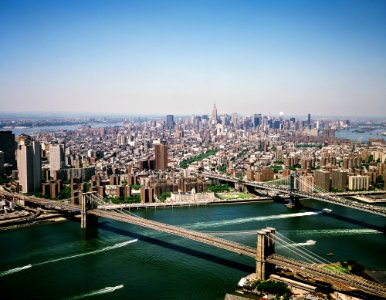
[[158, 57]]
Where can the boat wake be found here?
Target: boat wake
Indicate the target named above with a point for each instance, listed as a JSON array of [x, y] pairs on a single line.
[[15, 270], [306, 243], [109, 248], [248, 220], [105, 290], [336, 232]]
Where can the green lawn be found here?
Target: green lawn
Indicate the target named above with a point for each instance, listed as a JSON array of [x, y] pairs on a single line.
[[229, 196], [337, 269]]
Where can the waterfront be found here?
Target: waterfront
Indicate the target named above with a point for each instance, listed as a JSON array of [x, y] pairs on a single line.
[[355, 136], [35, 130], [121, 260]]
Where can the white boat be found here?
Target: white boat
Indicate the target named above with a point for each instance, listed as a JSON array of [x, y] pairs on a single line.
[[327, 210], [311, 242]]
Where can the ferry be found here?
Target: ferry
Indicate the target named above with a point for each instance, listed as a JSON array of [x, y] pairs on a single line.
[[327, 210]]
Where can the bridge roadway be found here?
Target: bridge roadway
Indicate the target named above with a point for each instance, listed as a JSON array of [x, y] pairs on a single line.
[[53, 204], [313, 271], [324, 197], [310, 270], [186, 233]]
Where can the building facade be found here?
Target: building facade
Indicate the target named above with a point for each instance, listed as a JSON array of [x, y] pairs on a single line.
[[161, 156], [8, 146], [322, 179], [358, 183], [29, 167], [57, 157]]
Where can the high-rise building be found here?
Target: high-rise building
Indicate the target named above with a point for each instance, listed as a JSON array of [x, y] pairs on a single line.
[[214, 114], [250, 174], [339, 180], [322, 179], [1, 164], [235, 120], [57, 157], [305, 184], [121, 139], [147, 195], [256, 120], [358, 183], [309, 121], [29, 166], [8, 146], [170, 122], [161, 156]]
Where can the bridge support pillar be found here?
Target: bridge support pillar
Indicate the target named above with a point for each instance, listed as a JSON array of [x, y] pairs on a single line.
[[265, 247], [294, 181], [87, 220]]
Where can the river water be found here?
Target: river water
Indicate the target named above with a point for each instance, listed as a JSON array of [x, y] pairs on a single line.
[[123, 261], [35, 130], [363, 137]]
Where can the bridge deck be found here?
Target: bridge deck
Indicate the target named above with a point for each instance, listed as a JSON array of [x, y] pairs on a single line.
[[324, 197], [317, 271], [186, 233]]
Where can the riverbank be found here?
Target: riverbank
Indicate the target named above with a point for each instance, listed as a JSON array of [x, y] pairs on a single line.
[[16, 223], [183, 204]]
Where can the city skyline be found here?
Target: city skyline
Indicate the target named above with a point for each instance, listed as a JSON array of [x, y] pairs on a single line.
[[170, 57]]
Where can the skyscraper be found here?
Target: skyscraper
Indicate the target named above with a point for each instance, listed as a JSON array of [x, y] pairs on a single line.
[[161, 156], [1, 164], [29, 166], [56, 157], [214, 114], [170, 122], [8, 146], [309, 121], [256, 120]]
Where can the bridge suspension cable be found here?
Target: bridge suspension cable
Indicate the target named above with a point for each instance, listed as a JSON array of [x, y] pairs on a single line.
[[317, 258], [304, 256]]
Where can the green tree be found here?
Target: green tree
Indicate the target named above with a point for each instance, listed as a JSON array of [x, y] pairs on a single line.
[[163, 196], [135, 186], [185, 163], [275, 288], [65, 193], [219, 188]]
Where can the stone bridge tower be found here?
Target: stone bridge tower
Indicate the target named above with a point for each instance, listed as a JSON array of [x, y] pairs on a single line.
[[87, 203], [265, 248]]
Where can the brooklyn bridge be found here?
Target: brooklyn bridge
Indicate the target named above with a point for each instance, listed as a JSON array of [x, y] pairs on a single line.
[[267, 261]]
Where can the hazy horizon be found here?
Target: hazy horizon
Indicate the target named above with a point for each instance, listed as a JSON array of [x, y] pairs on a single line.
[[180, 57]]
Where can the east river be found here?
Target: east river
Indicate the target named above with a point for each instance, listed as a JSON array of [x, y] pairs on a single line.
[[123, 261]]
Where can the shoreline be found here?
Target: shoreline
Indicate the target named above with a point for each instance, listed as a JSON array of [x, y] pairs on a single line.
[[16, 223], [156, 205]]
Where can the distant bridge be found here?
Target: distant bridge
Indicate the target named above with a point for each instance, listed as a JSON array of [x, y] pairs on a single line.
[[283, 186]]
